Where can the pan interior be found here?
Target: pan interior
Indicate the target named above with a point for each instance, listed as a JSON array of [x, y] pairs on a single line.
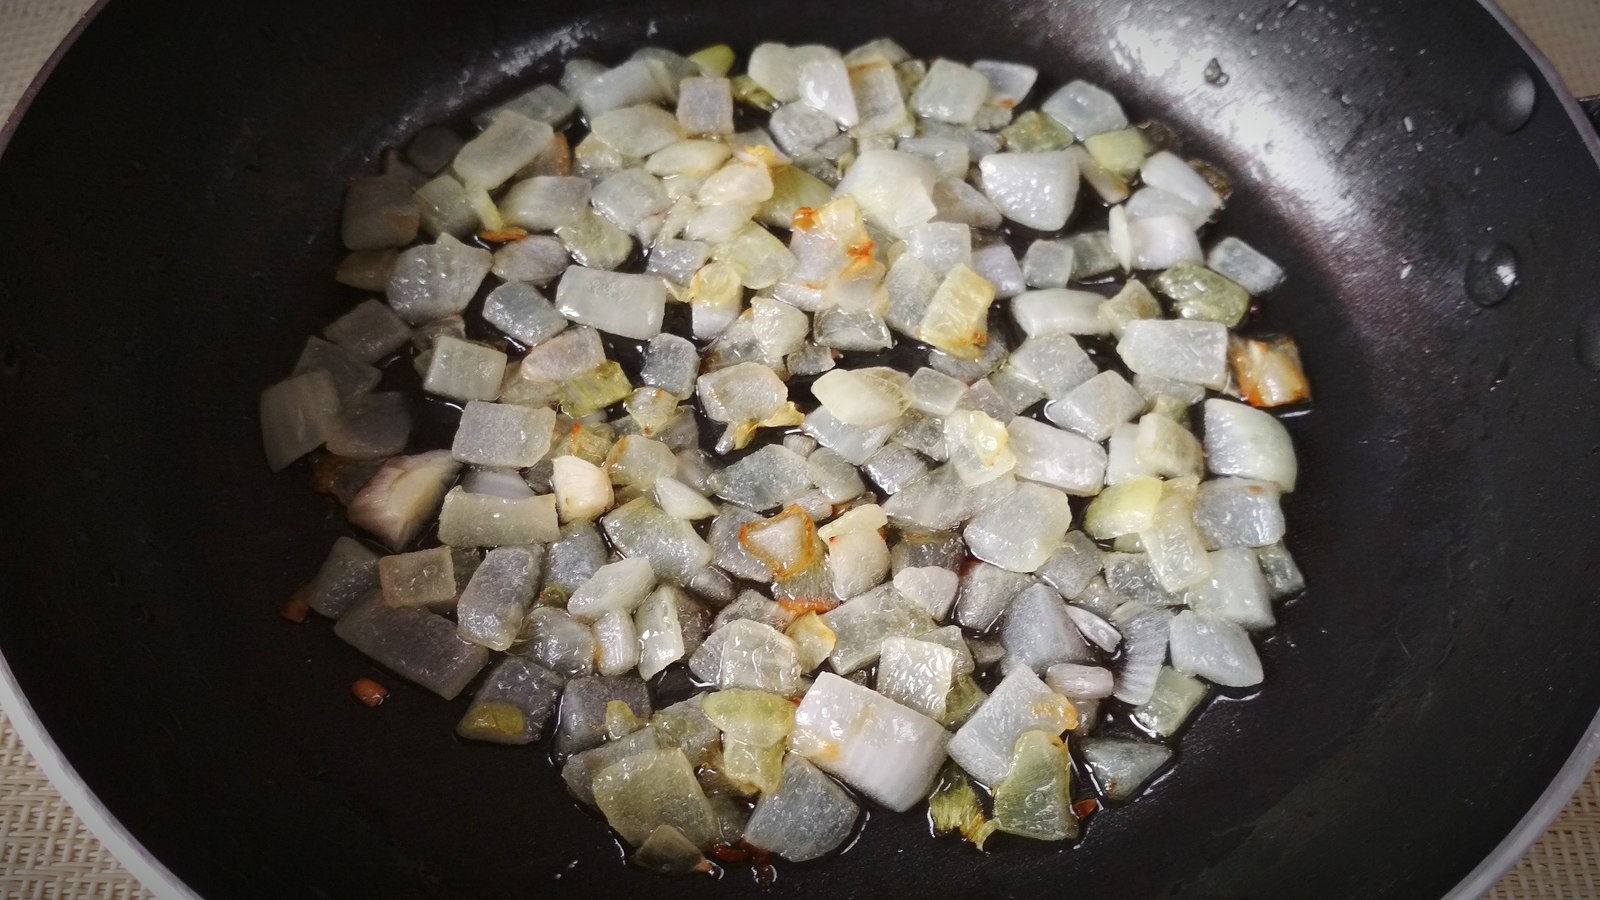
[[170, 209]]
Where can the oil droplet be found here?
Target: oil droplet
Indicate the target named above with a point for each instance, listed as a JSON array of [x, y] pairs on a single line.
[[1491, 273], [1214, 73], [1587, 341], [1510, 103]]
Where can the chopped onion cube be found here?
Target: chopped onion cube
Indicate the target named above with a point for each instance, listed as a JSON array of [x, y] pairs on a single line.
[[1165, 171], [1235, 590], [1196, 352], [950, 92], [627, 305], [1034, 799], [894, 189], [510, 142], [1214, 649], [420, 645], [297, 415], [882, 749], [807, 817], [1085, 110], [1021, 703], [1248, 443], [1245, 265], [1037, 190], [1268, 372], [402, 496], [1120, 767]]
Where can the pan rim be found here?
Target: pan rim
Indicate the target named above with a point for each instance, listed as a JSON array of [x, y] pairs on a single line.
[[1515, 845], [127, 849]]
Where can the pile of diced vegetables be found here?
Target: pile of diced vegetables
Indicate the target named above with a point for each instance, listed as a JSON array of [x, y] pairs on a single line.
[[761, 413]]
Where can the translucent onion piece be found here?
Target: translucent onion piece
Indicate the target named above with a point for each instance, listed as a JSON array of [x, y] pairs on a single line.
[[882, 749], [1214, 649], [1268, 372], [654, 788], [1144, 648], [1167, 172], [1023, 531], [415, 643], [1037, 190], [1195, 352], [1248, 443], [1034, 800], [1174, 699], [1021, 703], [627, 305], [916, 674], [1121, 768], [894, 189], [954, 807], [807, 817], [403, 495], [1038, 633]]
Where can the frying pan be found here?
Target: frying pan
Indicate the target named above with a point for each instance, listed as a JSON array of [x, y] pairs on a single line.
[[168, 220]]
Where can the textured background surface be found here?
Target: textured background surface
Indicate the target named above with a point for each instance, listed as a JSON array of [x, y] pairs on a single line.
[[47, 854]]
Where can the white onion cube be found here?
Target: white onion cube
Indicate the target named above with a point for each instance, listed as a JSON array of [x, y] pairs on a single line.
[[1037, 190], [950, 92], [1058, 458], [824, 83], [436, 280], [894, 189], [622, 304], [1236, 590], [297, 415], [1214, 649], [1022, 532], [880, 748], [1249, 443], [1245, 265], [1095, 408], [1195, 352], [1085, 110], [462, 370], [499, 434], [705, 106], [510, 142], [1020, 703]]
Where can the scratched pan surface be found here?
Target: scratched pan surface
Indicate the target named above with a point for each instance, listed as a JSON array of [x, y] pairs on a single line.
[[168, 215]]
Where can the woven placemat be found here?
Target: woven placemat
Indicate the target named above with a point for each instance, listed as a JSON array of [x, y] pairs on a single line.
[[46, 852]]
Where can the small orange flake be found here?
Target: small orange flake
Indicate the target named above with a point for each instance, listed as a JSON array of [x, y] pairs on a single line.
[[369, 692], [804, 219], [561, 152], [802, 605], [509, 234], [325, 471], [728, 853], [1086, 808], [765, 874], [297, 607]]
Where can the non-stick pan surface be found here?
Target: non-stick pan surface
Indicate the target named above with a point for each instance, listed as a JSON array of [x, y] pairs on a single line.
[[168, 220]]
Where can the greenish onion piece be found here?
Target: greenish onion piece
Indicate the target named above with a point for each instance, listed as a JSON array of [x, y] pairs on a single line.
[[1197, 292], [755, 717], [954, 808], [1034, 800]]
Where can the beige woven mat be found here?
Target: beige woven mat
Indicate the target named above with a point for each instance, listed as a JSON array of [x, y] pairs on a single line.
[[46, 853]]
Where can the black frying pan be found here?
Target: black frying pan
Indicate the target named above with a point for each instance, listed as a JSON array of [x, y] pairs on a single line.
[[168, 215]]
